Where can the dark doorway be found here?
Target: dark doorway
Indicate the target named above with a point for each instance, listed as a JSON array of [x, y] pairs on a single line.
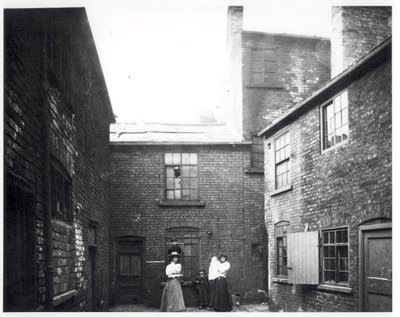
[[92, 279], [129, 270], [19, 252], [376, 268]]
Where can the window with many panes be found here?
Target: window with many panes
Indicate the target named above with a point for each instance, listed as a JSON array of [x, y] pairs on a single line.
[[335, 125], [181, 176], [189, 240], [335, 256], [257, 152], [281, 230], [61, 199], [282, 158]]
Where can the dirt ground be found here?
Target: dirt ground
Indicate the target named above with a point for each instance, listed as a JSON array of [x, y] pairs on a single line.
[[142, 308]]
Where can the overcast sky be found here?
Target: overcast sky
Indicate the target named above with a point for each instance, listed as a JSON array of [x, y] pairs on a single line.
[[164, 62]]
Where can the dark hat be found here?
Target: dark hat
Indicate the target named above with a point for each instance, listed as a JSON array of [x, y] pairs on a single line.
[[174, 253]]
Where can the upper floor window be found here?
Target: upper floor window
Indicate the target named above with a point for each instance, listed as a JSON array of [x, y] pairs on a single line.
[[257, 152], [61, 198], [335, 255], [335, 126], [281, 230], [282, 157], [181, 176]]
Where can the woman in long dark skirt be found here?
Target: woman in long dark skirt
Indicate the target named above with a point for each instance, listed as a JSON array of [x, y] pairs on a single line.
[[221, 300], [172, 297]]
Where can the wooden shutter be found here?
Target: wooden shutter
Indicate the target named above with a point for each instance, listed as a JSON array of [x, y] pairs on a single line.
[[303, 258]]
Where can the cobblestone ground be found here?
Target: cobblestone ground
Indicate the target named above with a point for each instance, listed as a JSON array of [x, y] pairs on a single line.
[[142, 308]]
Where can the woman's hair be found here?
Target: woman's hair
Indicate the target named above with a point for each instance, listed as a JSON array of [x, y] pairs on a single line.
[[172, 258], [222, 256]]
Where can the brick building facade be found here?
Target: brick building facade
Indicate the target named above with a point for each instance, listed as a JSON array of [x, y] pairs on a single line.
[[226, 216], [328, 180], [226, 212], [56, 156]]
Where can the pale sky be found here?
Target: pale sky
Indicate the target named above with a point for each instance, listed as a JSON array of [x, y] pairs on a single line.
[[164, 62]]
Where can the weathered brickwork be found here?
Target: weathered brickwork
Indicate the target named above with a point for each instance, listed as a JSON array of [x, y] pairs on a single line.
[[302, 64], [233, 212], [80, 114], [356, 31], [344, 186]]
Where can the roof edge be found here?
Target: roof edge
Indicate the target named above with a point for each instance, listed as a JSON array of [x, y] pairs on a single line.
[[301, 36], [372, 58]]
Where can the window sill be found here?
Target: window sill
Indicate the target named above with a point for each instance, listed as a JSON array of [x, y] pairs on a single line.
[[281, 190], [164, 203], [57, 300], [282, 280], [253, 170], [335, 288]]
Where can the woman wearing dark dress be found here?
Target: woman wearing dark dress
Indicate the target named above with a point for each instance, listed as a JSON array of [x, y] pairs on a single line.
[[221, 300], [172, 297]]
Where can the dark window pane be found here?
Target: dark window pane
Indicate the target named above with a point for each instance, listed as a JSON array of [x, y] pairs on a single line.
[[343, 277], [345, 236], [332, 237], [326, 237]]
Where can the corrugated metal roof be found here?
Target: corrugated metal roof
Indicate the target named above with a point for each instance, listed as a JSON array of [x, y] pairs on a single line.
[[164, 133]]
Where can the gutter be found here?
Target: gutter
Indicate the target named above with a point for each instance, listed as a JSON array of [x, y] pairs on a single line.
[[381, 53]]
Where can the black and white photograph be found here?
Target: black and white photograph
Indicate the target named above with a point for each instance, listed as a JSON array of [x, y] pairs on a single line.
[[198, 156]]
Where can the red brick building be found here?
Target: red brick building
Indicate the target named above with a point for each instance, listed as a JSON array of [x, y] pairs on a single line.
[[203, 184], [56, 156], [328, 179]]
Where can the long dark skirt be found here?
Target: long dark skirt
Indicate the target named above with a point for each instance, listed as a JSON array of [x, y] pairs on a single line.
[[172, 297], [221, 300]]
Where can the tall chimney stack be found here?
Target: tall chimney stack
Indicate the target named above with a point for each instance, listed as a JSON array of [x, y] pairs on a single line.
[[231, 108], [355, 32]]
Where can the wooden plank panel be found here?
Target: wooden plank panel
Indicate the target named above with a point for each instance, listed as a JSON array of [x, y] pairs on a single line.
[[303, 257]]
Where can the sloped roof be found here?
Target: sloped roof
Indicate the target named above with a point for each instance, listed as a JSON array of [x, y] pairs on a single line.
[[378, 55], [164, 133]]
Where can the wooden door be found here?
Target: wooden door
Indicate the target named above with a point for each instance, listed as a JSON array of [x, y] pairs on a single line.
[[92, 279], [376, 270], [19, 254], [129, 270]]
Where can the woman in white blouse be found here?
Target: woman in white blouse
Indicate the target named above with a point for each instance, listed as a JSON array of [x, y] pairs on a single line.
[[172, 297], [219, 297]]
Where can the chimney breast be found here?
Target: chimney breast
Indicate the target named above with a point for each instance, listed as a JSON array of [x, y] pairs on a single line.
[[355, 32]]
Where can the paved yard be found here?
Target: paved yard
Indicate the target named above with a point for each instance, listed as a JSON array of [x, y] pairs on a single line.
[[142, 308]]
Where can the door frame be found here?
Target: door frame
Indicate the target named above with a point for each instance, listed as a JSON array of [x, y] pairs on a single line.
[[362, 230], [116, 261]]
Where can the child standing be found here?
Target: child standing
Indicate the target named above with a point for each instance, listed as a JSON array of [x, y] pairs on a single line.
[[201, 284]]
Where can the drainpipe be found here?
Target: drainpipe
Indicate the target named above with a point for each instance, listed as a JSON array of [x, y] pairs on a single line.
[[46, 179]]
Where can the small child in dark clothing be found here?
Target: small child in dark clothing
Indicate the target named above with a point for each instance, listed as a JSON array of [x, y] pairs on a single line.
[[201, 284]]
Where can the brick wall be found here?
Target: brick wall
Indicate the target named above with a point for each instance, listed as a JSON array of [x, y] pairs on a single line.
[[233, 211], [79, 129], [344, 186], [302, 65], [356, 31]]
